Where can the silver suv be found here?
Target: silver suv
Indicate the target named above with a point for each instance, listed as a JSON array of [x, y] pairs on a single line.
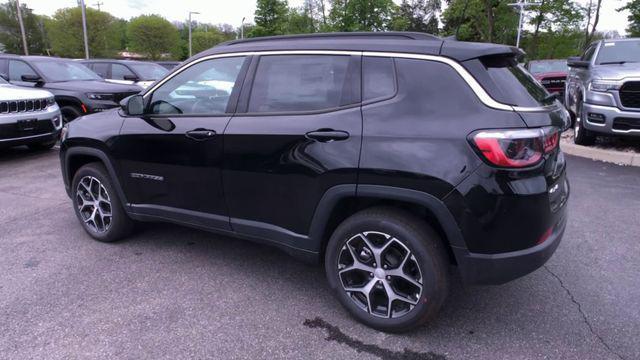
[[28, 117], [603, 90]]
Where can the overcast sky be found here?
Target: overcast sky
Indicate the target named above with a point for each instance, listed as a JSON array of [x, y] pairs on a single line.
[[232, 11]]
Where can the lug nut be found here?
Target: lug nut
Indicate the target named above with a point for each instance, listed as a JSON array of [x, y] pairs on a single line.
[[388, 277], [374, 264]]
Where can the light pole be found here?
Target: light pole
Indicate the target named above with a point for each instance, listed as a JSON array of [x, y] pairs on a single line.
[[84, 29], [242, 29], [24, 36], [521, 5], [194, 13]]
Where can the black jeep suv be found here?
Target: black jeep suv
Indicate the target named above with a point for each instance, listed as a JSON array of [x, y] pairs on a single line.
[[386, 156], [77, 90]]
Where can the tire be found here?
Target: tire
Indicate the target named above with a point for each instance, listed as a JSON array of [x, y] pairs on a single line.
[[69, 113], [582, 136], [406, 240], [92, 186], [42, 146]]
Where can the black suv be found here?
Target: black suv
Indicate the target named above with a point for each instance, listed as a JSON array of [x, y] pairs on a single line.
[[77, 90], [386, 156]]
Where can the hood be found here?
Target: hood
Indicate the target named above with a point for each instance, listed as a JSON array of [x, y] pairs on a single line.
[[554, 74], [616, 71], [92, 86], [10, 92]]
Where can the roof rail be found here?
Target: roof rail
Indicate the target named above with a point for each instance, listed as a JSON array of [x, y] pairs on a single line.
[[379, 35]]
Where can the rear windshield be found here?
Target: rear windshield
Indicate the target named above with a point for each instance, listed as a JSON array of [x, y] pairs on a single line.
[[619, 52], [512, 84], [547, 66]]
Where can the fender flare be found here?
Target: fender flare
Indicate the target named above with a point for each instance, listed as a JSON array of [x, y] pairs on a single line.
[[106, 161], [335, 194]]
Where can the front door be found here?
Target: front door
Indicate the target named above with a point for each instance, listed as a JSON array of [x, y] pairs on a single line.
[[297, 133], [170, 159]]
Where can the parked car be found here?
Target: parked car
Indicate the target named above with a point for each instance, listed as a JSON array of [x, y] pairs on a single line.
[[77, 90], [552, 74], [603, 90], [169, 65], [127, 72], [385, 160], [28, 117]]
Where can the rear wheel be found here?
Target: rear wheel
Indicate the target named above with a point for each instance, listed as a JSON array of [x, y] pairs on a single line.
[[582, 136], [70, 113], [388, 268]]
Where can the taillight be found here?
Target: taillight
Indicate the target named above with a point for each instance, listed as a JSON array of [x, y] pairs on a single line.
[[516, 148]]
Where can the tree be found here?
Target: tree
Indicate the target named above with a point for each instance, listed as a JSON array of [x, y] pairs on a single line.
[[10, 34], [362, 15], [593, 13], [557, 16], [271, 18], [418, 15], [203, 40], [481, 20], [153, 36], [104, 33], [300, 21], [633, 6]]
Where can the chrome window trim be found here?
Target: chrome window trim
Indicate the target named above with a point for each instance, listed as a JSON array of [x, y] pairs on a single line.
[[480, 92]]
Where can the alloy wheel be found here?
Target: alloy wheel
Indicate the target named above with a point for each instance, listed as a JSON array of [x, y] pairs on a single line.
[[94, 204], [380, 274]]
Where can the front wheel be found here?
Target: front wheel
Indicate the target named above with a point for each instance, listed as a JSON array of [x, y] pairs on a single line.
[[388, 268], [582, 136]]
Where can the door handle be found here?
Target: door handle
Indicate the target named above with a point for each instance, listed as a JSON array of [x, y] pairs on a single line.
[[327, 135], [201, 134]]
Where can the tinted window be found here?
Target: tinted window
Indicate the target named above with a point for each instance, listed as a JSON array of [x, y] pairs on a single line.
[[617, 52], [302, 83], [149, 71], [101, 69], [379, 78], [19, 68], [589, 53], [118, 72], [204, 88], [60, 70], [516, 86]]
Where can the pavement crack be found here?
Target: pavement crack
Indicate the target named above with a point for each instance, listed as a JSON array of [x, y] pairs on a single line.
[[335, 334], [584, 316]]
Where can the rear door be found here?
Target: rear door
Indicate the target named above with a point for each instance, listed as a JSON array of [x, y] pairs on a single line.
[[171, 157], [297, 134]]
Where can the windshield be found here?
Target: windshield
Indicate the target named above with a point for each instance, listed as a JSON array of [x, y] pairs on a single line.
[[512, 84], [149, 71], [57, 70], [539, 67], [618, 52]]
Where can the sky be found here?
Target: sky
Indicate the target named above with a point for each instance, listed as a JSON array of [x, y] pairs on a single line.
[[232, 11]]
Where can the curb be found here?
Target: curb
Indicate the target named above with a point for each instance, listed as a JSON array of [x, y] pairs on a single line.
[[610, 156]]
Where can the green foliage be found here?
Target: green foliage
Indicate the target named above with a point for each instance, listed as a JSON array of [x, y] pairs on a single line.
[[203, 40], [104, 33], [555, 44], [481, 20], [300, 22], [633, 7], [417, 15], [152, 36], [362, 15], [555, 23], [10, 35], [270, 17]]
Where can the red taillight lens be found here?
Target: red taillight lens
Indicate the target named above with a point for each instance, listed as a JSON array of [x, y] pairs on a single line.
[[515, 148]]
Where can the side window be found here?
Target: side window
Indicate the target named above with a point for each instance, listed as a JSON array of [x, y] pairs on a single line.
[[101, 69], [589, 53], [379, 80], [18, 68], [119, 71], [203, 88], [303, 83]]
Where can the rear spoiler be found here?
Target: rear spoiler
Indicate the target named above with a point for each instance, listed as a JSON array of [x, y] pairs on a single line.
[[463, 51]]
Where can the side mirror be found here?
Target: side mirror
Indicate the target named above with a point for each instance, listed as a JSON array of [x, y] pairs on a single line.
[[31, 78], [131, 78], [133, 105], [576, 62]]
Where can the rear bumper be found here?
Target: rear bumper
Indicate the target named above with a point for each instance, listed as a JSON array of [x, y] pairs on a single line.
[[496, 269], [611, 115]]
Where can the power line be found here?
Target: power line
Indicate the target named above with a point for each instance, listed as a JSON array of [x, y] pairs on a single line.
[[98, 4]]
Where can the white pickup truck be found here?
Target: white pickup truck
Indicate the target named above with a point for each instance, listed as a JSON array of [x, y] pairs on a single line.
[[28, 117]]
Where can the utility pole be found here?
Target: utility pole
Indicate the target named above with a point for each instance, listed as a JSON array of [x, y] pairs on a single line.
[[84, 29], [24, 36], [522, 5], [242, 29], [195, 13], [98, 4]]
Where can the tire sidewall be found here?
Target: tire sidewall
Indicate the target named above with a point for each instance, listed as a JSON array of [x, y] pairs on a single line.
[[69, 109], [433, 289]]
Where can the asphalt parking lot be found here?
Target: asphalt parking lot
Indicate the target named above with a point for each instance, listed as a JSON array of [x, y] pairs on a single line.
[[172, 292]]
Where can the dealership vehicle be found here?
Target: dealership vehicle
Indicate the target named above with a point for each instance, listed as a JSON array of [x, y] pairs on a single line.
[[169, 65], [127, 72], [603, 90], [552, 74], [28, 117], [77, 90], [387, 156]]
